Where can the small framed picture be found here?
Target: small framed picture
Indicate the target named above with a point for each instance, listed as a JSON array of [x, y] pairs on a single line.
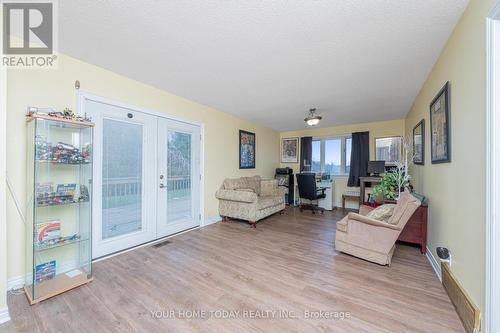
[[419, 143], [247, 150], [289, 150], [440, 126]]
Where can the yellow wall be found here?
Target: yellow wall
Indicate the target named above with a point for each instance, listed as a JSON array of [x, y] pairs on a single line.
[[456, 190], [55, 88], [376, 129]]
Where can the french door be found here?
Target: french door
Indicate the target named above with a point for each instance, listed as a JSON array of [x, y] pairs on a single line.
[[146, 177], [179, 176]]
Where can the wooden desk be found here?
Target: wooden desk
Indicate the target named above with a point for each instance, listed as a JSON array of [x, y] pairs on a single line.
[[362, 184]]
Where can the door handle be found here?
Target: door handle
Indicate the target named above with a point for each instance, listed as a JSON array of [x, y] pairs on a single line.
[[162, 185]]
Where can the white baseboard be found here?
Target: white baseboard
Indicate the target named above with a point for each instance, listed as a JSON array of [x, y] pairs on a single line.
[[4, 315], [212, 219], [17, 282], [436, 266]]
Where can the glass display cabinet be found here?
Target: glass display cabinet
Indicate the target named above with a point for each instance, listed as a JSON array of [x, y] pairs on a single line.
[[59, 206]]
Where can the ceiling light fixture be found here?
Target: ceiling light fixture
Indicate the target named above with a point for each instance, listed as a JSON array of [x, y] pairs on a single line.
[[312, 119]]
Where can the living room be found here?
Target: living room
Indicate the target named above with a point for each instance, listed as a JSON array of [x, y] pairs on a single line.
[[158, 157]]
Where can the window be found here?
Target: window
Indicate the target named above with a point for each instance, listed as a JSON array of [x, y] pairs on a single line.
[[333, 159], [331, 155], [316, 156], [388, 149]]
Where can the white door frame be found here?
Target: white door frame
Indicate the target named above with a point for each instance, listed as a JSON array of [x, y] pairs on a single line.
[[83, 96], [4, 311], [492, 290]]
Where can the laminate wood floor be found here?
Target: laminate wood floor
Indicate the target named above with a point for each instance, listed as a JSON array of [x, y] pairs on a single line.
[[229, 277]]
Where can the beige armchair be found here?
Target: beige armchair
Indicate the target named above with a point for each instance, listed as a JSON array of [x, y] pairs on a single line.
[[250, 198], [371, 239]]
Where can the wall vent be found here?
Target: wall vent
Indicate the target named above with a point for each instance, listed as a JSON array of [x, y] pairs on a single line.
[[468, 312], [160, 244]]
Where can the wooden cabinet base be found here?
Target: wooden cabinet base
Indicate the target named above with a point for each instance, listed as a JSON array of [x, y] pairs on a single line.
[[415, 230], [56, 286]]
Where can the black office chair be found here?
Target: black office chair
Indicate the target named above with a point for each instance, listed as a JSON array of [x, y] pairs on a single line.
[[308, 190]]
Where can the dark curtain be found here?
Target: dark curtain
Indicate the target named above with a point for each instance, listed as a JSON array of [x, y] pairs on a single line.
[[360, 155], [305, 152]]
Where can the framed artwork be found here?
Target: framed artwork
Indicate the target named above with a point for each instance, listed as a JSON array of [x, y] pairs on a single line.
[[419, 143], [247, 150], [388, 149], [289, 150], [440, 126]]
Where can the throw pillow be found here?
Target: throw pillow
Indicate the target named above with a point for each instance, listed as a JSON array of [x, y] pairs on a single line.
[[382, 213], [252, 182]]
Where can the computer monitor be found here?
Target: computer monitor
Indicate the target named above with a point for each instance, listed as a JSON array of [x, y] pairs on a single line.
[[376, 167]]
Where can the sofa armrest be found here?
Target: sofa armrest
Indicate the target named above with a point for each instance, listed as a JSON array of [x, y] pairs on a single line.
[[235, 195], [373, 222], [281, 191], [268, 187]]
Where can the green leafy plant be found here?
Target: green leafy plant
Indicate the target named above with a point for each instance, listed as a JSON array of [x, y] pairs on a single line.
[[393, 182]]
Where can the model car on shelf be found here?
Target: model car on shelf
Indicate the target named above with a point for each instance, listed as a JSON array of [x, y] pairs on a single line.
[[58, 241], [65, 194], [61, 152], [66, 114]]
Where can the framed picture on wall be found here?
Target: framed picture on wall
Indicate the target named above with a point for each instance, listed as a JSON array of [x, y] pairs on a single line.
[[419, 143], [388, 149], [440, 126], [289, 150], [247, 150]]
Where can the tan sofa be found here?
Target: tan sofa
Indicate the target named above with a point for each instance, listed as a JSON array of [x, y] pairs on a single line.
[[250, 198], [371, 239]]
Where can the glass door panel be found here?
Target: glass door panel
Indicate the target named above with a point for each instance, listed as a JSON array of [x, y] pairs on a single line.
[[179, 191], [124, 213], [179, 176], [121, 178]]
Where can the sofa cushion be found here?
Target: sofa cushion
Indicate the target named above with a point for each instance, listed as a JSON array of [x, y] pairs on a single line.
[[267, 201], [247, 196], [407, 204], [382, 213], [253, 183], [246, 183], [232, 183]]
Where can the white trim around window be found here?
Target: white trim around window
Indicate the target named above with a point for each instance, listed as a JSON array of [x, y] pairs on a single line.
[[344, 168]]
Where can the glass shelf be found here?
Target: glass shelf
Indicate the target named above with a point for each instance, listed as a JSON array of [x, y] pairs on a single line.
[[56, 245], [59, 168], [61, 204]]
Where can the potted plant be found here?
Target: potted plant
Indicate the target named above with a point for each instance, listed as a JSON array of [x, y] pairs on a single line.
[[393, 183], [397, 180]]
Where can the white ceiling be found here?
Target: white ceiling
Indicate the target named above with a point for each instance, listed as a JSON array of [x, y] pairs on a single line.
[[269, 61]]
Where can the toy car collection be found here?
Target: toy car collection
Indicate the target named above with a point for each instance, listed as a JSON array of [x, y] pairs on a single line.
[[65, 114], [65, 194], [61, 152], [57, 241]]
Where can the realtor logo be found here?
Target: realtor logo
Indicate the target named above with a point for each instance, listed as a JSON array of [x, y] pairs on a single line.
[[29, 34]]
